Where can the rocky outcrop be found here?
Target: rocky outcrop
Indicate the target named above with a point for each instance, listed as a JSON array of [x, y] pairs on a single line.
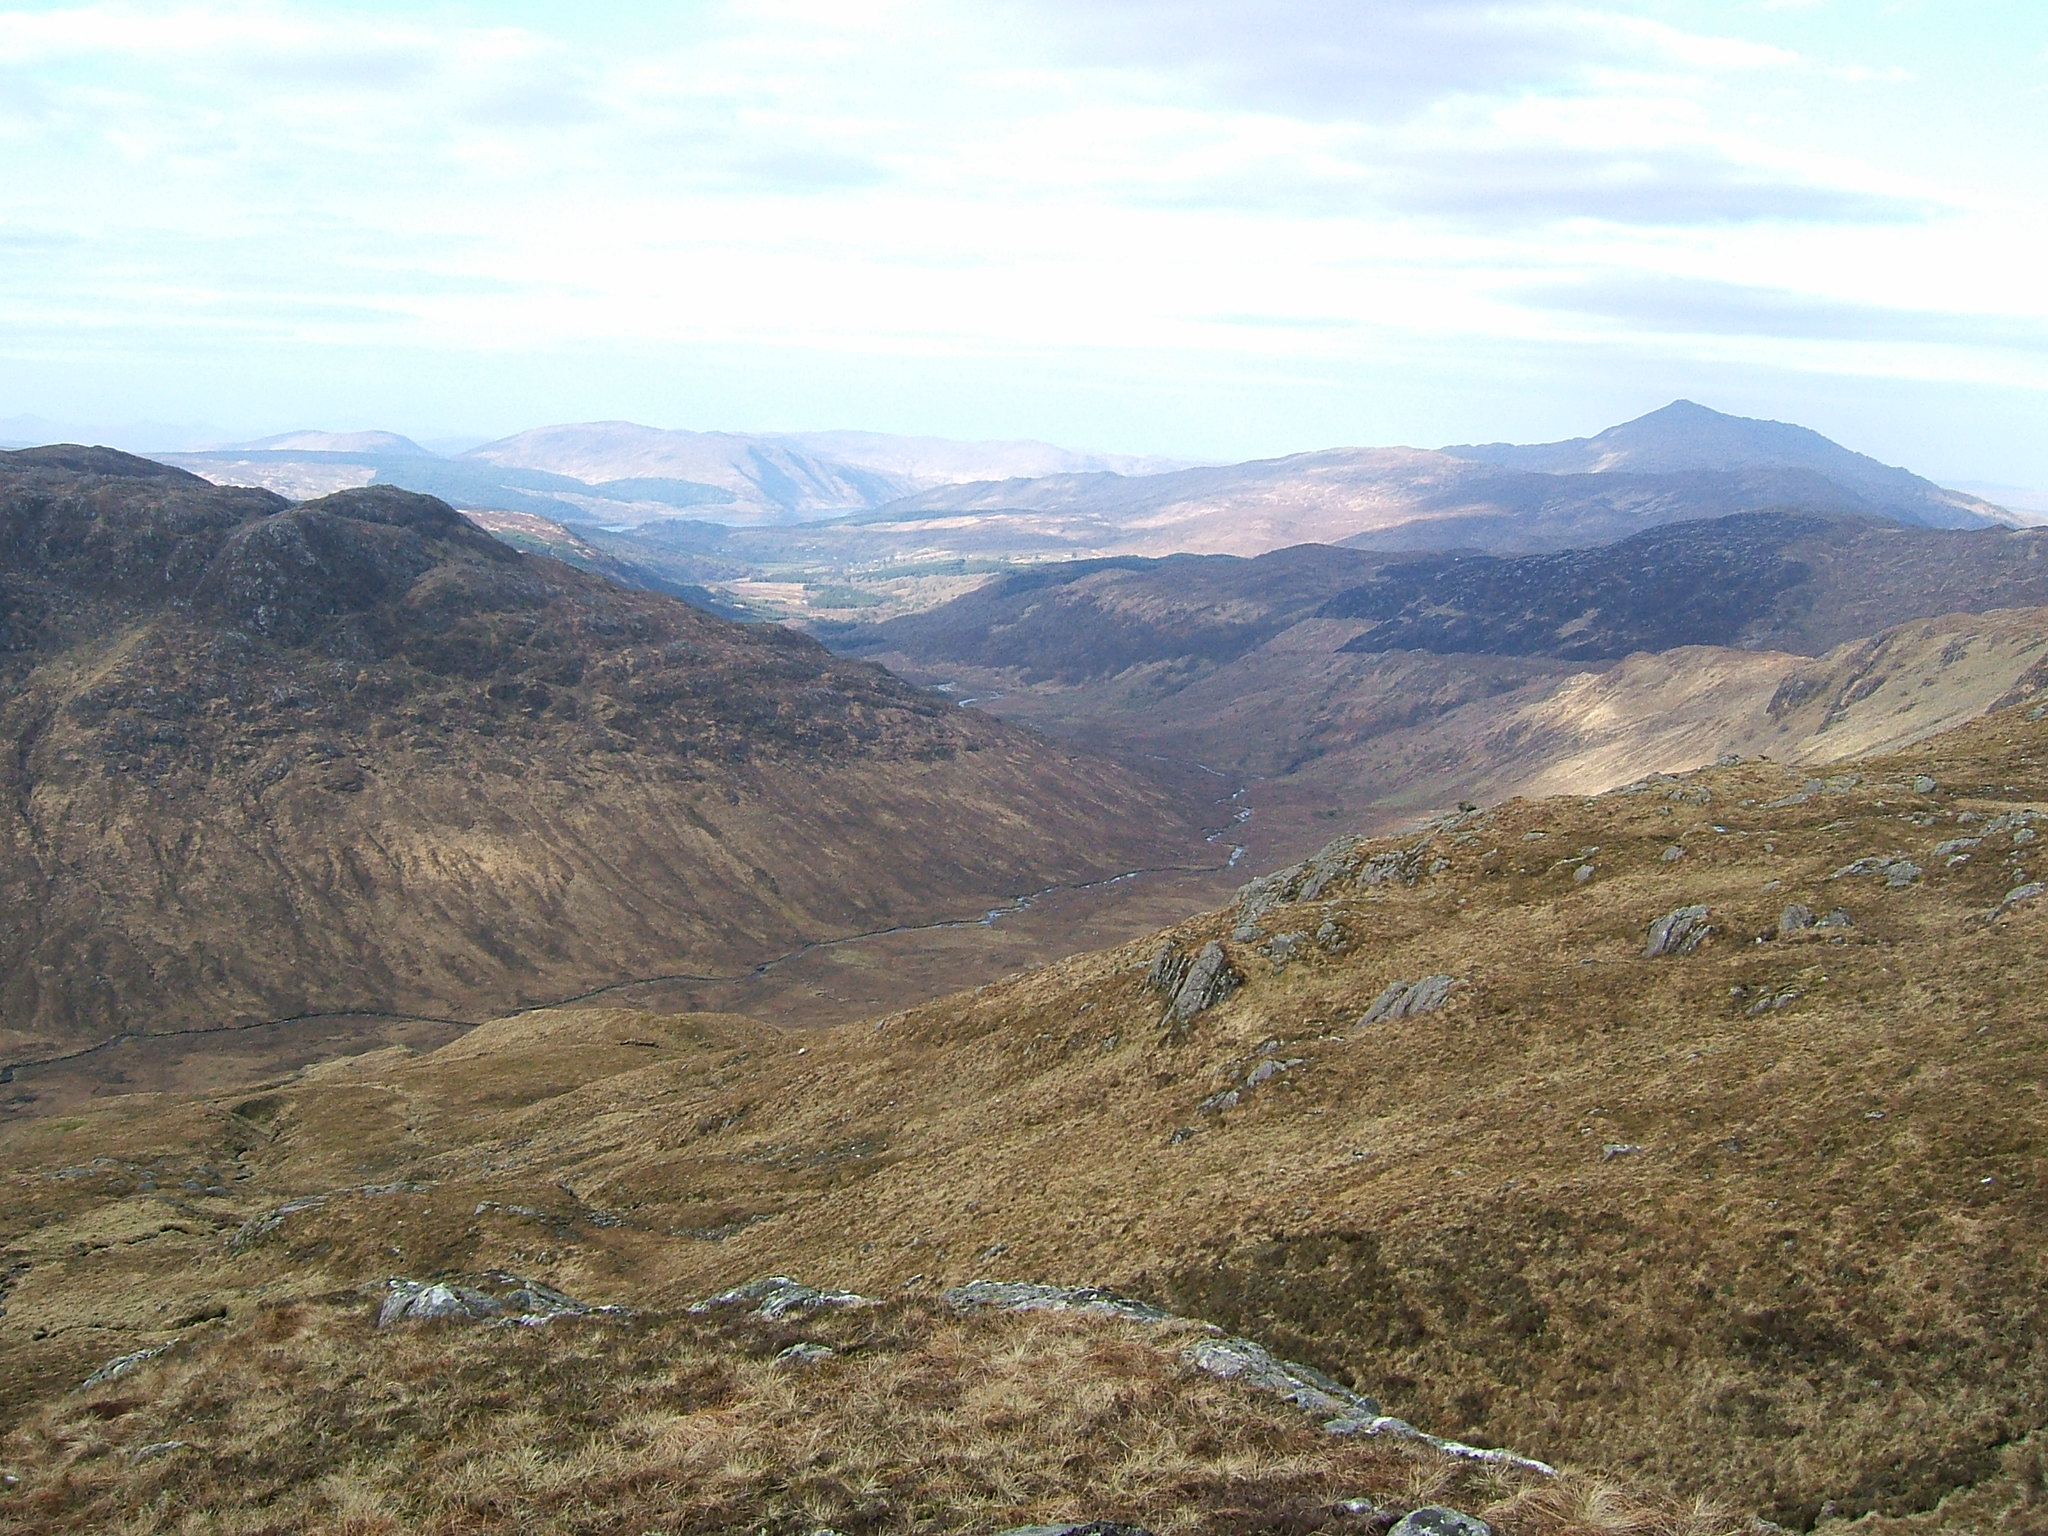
[[1677, 933], [121, 1365], [1192, 983], [1435, 1520], [1235, 1359], [492, 1297], [1405, 999], [1019, 1296], [777, 1296], [1335, 862]]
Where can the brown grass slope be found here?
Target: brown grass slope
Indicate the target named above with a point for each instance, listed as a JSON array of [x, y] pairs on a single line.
[[267, 760], [1761, 1221]]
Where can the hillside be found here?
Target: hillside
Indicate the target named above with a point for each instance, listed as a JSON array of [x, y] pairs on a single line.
[[1367, 688], [1710, 1163], [356, 756]]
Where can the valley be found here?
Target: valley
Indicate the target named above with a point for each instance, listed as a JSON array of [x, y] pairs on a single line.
[[353, 757], [1268, 1041]]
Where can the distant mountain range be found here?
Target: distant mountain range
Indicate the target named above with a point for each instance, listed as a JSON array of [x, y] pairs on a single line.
[[1677, 464], [1033, 499], [621, 472]]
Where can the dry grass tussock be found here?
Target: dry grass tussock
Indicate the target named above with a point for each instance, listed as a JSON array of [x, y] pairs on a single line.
[[307, 1419]]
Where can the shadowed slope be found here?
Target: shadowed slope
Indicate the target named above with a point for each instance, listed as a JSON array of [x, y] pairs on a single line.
[[356, 755]]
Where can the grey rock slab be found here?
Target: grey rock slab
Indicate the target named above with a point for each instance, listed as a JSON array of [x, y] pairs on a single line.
[[805, 1354], [1436, 1520], [1075, 1528], [1234, 1359], [1678, 932], [776, 1296], [492, 1296], [1405, 999], [1872, 864], [1796, 918], [121, 1365], [1923, 784], [1902, 874], [1019, 1296], [410, 1301], [2020, 893], [256, 1228], [1210, 979]]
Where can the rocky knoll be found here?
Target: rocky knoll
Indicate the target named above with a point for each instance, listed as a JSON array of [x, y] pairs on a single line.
[[270, 759]]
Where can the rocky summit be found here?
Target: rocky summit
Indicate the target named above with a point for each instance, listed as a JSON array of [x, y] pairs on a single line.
[[353, 755]]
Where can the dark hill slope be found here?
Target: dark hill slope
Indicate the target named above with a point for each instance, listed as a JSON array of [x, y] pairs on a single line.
[[1800, 582], [355, 754], [1764, 581], [1095, 618]]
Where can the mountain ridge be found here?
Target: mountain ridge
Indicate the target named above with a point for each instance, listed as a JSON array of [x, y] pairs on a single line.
[[355, 754]]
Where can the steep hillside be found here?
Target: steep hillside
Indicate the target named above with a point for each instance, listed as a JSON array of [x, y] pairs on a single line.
[[1687, 1134], [1359, 687], [358, 756]]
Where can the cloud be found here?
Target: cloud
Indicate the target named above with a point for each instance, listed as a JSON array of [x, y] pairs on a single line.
[[1644, 302], [1374, 60]]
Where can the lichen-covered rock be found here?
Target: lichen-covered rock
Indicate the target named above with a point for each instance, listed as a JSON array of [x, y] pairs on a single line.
[[1256, 1366], [1796, 918], [478, 1298], [776, 1296], [1678, 932], [1210, 979], [1405, 999], [410, 1301], [121, 1365], [1017, 1296], [1436, 1520], [1169, 968]]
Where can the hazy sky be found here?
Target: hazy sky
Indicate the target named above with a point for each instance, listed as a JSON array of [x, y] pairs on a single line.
[[1213, 228]]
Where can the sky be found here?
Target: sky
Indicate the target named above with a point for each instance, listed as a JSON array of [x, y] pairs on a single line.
[[1213, 229]]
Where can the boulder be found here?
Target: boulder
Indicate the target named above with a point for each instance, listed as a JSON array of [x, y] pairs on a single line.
[[1304, 1386], [121, 1365], [1436, 1520], [1678, 932], [1210, 979], [1405, 999], [1796, 918], [478, 1298]]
